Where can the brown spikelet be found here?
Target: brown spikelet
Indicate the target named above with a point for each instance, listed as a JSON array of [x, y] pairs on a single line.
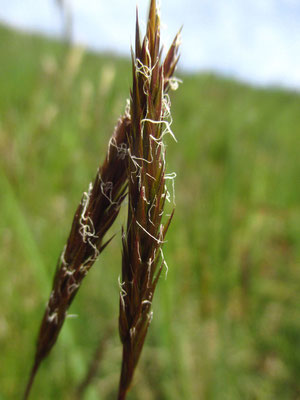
[[144, 236], [94, 216]]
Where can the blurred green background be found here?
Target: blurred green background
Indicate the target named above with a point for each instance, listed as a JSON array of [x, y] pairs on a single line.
[[227, 318]]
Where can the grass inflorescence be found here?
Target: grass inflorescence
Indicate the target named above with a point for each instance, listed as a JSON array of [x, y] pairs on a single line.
[[135, 160], [145, 232], [94, 216]]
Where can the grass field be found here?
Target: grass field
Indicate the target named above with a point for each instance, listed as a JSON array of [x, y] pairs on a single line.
[[226, 321]]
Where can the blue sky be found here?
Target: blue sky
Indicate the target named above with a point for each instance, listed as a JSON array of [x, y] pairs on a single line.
[[253, 40]]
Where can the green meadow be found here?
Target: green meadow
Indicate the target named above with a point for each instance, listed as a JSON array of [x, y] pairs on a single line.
[[226, 322]]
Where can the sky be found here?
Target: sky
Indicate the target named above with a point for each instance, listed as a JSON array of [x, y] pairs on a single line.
[[257, 41]]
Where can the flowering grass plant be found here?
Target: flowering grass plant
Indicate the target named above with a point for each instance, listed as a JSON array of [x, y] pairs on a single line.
[[134, 164], [145, 233]]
